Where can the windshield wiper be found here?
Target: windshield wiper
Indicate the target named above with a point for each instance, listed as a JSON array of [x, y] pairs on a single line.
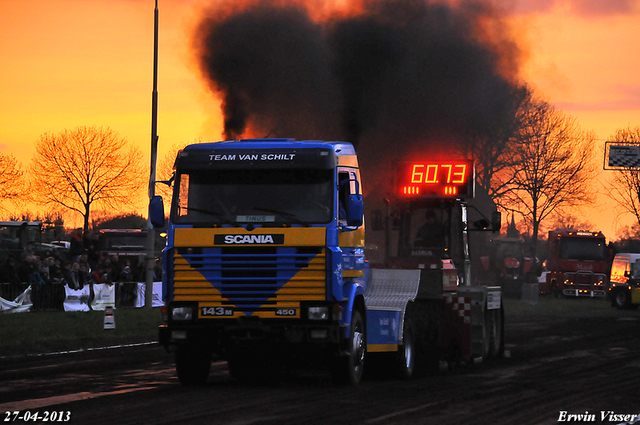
[[283, 213], [212, 213]]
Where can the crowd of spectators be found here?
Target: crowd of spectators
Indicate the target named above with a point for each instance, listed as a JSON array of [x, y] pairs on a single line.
[[49, 273]]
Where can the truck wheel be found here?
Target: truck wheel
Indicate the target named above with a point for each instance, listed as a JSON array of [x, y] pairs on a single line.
[[193, 364], [621, 299], [348, 369], [405, 357], [426, 318]]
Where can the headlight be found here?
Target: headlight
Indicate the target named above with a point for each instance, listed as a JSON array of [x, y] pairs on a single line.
[[318, 313], [182, 313]]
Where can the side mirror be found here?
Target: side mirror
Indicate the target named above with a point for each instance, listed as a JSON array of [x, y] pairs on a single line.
[[156, 212], [481, 224], [496, 221], [355, 211]]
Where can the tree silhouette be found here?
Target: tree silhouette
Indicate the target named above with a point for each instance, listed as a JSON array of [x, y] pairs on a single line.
[[11, 179], [552, 167], [86, 167]]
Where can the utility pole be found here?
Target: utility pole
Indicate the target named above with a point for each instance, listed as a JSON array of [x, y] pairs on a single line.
[[151, 234]]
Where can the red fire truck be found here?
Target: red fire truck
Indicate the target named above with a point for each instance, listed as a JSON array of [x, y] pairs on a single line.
[[577, 264]]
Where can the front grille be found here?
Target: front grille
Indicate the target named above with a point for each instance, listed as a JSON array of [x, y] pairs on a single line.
[[584, 278], [250, 278]]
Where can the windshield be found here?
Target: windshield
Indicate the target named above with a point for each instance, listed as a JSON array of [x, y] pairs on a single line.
[[291, 196], [582, 249]]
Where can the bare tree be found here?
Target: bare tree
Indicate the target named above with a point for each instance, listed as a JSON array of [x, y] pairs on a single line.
[[11, 179], [552, 167], [624, 188], [492, 142], [86, 167]]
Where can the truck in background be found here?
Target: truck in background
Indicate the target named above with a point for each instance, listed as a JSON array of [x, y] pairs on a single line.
[[576, 263], [507, 264], [624, 282], [15, 236], [125, 244], [265, 263]]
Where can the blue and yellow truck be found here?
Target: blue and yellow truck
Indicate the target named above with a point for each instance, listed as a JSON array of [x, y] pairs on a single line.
[[265, 264]]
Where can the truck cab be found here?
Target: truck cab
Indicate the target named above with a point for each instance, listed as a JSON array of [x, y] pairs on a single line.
[[624, 282], [577, 264]]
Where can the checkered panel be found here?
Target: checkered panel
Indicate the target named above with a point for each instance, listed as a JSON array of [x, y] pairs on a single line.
[[629, 162], [461, 305], [622, 155]]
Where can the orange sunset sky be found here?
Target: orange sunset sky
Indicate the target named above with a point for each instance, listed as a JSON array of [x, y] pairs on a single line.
[[69, 63]]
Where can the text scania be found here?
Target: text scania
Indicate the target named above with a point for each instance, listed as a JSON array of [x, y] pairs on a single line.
[[248, 239], [253, 157]]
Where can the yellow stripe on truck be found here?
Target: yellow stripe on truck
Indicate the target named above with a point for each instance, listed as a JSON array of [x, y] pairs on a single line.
[[382, 348], [293, 236]]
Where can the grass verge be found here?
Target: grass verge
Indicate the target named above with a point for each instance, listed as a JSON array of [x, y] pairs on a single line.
[[550, 307], [51, 331]]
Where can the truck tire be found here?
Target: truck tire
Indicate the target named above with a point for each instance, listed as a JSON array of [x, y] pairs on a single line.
[[621, 299], [193, 364], [426, 320], [405, 357], [347, 370], [489, 328]]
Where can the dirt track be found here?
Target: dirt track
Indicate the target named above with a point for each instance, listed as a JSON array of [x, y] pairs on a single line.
[[574, 366]]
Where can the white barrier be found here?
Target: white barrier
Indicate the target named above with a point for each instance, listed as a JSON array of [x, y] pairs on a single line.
[[157, 295], [104, 295], [78, 300], [21, 304]]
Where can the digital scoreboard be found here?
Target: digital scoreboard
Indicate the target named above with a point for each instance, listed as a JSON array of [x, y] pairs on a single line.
[[431, 179]]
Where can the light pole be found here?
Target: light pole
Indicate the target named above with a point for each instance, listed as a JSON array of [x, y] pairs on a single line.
[[150, 259]]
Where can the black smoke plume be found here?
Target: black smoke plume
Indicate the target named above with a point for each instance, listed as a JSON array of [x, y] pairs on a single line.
[[390, 76]]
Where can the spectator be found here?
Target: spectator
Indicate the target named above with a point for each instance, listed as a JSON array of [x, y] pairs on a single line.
[[10, 277], [85, 278], [9, 272], [27, 266], [157, 271], [102, 275], [128, 288], [39, 281], [76, 281], [50, 265], [84, 261], [66, 272], [56, 273], [77, 246], [93, 256], [28, 250]]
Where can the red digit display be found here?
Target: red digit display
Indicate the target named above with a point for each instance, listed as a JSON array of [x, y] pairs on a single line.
[[447, 179]]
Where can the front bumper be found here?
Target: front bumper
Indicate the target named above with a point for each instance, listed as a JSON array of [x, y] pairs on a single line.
[[227, 335], [584, 292]]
